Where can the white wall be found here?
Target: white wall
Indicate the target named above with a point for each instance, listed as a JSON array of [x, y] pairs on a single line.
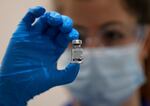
[[11, 12]]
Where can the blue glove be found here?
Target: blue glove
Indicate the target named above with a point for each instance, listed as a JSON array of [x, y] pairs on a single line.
[[29, 66]]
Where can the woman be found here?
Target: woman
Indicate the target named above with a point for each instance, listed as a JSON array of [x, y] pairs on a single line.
[[105, 26]]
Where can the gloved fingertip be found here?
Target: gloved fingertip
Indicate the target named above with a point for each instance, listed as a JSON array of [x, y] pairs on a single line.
[[32, 14], [74, 34], [67, 75], [73, 66], [37, 11], [54, 18], [67, 24], [72, 71]]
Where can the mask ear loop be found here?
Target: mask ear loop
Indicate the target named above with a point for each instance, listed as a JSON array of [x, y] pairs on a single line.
[[141, 34]]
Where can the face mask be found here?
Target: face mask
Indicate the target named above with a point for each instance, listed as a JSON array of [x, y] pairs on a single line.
[[108, 77]]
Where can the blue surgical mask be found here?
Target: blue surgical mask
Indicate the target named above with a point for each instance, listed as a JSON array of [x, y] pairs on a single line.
[[108, 76]]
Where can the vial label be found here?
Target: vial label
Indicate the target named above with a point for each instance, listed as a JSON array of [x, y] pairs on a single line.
[[77, 55]]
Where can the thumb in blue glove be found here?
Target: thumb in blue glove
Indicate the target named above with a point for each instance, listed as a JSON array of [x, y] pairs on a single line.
[[29, 66]]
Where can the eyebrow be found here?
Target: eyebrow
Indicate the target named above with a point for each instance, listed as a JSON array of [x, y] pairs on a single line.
[[108, 24], [111, 23], [79, 27]]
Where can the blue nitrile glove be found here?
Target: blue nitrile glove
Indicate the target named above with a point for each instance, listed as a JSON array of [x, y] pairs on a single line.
[[29, 66]]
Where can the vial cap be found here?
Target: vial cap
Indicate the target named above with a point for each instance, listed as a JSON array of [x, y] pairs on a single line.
[[77, 42]]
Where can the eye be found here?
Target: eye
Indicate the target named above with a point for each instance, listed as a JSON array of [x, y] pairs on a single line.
[[113, 35]]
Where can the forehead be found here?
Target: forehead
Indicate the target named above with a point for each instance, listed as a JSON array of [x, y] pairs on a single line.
[[97, 11]]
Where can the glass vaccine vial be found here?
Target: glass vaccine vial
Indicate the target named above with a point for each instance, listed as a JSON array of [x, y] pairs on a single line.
[[77, 52]]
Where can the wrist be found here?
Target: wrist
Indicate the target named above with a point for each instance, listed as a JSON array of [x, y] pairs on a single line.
[[8, 93], [11, 102]]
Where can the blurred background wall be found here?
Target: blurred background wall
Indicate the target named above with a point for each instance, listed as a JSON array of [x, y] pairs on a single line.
[[11, 11]]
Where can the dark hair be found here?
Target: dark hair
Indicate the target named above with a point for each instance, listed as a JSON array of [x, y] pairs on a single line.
[[140, 8]]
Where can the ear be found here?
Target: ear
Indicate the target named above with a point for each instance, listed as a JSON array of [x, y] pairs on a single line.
[[146, 45], [146, 63]]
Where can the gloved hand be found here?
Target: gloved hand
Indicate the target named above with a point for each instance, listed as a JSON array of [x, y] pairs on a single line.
[[29, 66]]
